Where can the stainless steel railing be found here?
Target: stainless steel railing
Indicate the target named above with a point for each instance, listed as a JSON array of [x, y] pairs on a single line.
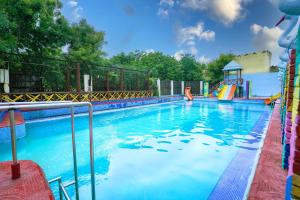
[[11, 107]]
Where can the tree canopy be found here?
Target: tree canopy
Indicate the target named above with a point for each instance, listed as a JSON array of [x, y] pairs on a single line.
[[38, 28]]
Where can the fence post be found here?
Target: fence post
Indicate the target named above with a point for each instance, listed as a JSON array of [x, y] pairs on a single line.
[[148, 80], [182, 87], [172, 88], [122, 80], [78, 77], [158, 87], [107, 80], [201, 88], [67, 79]]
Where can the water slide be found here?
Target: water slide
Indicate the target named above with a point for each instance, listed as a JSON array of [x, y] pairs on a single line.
[[188, 93], [272, 99], [227, 92]]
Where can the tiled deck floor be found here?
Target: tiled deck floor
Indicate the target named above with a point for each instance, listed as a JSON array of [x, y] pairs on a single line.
[[269, 180], [32, 184]]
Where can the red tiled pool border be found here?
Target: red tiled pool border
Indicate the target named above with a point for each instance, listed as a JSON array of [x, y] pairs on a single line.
[[32, 185], [269, 179]]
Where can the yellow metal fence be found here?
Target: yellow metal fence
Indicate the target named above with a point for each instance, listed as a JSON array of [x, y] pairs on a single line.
[[73, 96]]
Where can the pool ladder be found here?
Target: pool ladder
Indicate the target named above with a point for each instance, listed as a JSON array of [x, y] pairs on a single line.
[[11, 107]]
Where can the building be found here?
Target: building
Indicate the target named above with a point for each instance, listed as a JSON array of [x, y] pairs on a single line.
[[256, 68]]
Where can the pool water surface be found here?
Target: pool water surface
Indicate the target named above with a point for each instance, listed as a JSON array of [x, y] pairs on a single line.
[[177, 150]]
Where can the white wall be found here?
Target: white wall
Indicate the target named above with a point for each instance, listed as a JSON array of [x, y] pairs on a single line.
[[263, 84]]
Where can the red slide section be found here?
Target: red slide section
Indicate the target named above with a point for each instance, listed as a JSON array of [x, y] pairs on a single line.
[[231, 92], [188, 93]]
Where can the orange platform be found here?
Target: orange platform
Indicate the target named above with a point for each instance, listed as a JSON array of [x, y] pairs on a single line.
[[32, 185]]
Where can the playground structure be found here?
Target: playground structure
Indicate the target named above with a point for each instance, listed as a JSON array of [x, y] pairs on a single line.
[[188, 94], [230, 88], [272, 99]]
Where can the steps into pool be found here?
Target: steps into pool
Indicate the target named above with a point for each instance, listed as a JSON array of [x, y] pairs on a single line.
[[31, 185], [5, 135]]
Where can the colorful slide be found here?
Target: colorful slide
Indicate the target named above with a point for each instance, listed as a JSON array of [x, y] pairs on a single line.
[[188, 93], [217, 91], [272, 99], [227, 92]]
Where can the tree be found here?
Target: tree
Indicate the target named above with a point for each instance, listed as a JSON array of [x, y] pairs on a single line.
[[85, 43], [192, 70], [162, 66], [7, 40], [159, 65], [214, 72], [35, 27]]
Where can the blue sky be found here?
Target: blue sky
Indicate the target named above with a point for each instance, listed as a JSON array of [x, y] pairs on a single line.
[[204, 28]]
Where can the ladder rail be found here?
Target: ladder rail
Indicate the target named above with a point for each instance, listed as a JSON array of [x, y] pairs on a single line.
[[11, 107]]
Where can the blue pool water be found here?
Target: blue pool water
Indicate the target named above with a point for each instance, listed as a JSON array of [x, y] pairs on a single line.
[[177, 150]]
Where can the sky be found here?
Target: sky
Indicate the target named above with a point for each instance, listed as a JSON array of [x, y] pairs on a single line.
[[203, 28]]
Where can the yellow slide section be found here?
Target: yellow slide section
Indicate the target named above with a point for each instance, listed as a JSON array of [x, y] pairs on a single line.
[[223, 91], [272, 98]]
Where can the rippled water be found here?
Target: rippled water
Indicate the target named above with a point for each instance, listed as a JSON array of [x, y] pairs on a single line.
[[169, 151]]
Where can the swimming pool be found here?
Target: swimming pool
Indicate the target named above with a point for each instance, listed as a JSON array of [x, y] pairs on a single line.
[[179, 150]]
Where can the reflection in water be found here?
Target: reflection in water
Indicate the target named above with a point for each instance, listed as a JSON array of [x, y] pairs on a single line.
[[158, 152]]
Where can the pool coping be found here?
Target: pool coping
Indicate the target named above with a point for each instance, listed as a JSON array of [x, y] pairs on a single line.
[[240, 191], [269, 180], [99, 112]]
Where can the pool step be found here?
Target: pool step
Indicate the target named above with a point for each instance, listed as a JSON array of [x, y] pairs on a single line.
[[31, 185]]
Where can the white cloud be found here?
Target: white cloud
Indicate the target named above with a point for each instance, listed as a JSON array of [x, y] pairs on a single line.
[[163, 12], [255, 28], [203, 59], [147, 51], [167, 2], [265, 38], [193, 33], [72, 3], [76, 9], [225, 11], [189, 36], [164, 7], [179, 54]]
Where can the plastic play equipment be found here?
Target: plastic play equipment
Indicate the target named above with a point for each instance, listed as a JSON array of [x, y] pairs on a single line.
[[188, 93], [206, 89], [217, 91], [272, 98], [227, 92]]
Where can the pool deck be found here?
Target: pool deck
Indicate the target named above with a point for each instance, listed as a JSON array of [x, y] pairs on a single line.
[[269, 179], [32, 185]]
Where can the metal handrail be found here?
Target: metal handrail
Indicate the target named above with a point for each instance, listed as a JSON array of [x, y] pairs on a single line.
[[11, 107], [62, 187], [58, 179]]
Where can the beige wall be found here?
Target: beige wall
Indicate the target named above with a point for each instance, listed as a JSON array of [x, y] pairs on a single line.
[[258, 62]]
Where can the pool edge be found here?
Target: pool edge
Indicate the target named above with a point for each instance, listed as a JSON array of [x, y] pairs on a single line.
[[241, 190]]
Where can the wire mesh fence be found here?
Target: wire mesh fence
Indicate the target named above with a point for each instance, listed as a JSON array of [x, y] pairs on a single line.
[[177, 87], [195, 87], [33, 74], [165, 87]]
